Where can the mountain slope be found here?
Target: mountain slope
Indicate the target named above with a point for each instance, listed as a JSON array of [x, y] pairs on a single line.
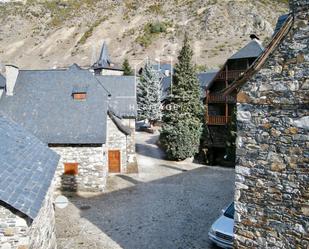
[[56, 33]]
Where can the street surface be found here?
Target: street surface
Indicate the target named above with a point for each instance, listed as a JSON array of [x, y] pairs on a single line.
[[167, 205]]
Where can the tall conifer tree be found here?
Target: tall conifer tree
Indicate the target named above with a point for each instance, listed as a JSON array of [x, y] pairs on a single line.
[[149, 95], [127, 70], [182, 119]]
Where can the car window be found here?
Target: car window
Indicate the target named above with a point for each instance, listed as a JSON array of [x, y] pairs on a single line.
[[229, 212]]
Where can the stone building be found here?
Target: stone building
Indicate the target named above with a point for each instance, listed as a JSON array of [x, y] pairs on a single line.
[[104, 65], [272, 180], [68, 110], [27, 169]]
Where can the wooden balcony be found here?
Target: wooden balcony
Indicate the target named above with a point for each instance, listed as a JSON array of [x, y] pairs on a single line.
[[219, 98], [230, 75], [217, 120]]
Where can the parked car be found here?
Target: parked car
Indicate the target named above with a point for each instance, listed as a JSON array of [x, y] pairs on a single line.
[[221, 232]]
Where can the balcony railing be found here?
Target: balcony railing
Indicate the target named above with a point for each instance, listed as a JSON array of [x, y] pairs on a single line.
[[230, 75], [219, 98], [218, 120]]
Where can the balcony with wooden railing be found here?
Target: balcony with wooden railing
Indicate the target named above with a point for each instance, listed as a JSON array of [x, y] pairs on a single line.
[[229, 75], [220, 98], [218, 120]]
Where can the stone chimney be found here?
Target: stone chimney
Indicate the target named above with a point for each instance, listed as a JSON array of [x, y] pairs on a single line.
[[11, 77]]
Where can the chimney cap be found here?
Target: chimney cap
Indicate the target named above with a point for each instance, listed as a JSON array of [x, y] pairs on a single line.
[[253, 36]]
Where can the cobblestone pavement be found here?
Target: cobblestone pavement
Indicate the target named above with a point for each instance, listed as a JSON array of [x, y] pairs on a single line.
[[166, 205]]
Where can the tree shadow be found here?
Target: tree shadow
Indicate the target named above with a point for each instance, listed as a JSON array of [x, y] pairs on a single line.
[[173, 212]]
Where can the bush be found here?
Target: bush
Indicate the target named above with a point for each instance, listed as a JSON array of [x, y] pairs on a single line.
[[157, 27], [149, 32]]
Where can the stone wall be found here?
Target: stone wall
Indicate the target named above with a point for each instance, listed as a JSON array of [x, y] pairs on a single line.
[[14, 228], [92, 168], [17, 231], [272, 180], [116, 140], [131, 149], [42, 231]]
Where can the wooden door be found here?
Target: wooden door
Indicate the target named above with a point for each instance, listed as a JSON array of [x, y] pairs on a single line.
[[114, 161]]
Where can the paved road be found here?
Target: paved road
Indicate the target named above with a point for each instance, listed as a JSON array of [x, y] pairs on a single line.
[[167, 205]]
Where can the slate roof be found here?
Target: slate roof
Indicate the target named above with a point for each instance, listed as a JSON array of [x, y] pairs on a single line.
[[204, 78], [252, 50], [162, 67], [42, 103], [277, 39], [280, 22], [123, 98], [104, 61], [2, 81], [117, 121], [27, 167]]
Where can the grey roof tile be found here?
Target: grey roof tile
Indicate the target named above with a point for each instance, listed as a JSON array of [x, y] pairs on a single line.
[[19, 175], [43, 105], [104, 61], [123, 99], [280, 22], [117, 121], [252, 50]]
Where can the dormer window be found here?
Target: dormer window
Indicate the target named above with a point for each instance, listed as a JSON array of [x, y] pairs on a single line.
[[79, 96], [79, 93]]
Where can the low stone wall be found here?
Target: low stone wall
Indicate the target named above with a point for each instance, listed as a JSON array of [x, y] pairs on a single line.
[[92, 168], [42, 231], [17, 231]]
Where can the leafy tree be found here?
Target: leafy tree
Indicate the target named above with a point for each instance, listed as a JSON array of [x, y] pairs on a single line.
[[127, 70], [182, 117], [149, 95]]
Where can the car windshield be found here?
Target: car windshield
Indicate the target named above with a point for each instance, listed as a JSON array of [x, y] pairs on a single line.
[[229, 212]]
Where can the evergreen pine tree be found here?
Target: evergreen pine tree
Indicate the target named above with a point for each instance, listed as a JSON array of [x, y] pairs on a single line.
[[182, 122], [127, 70], [149, 95]]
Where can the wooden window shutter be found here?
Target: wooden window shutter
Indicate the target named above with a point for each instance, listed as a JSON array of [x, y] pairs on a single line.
[[70, 168]]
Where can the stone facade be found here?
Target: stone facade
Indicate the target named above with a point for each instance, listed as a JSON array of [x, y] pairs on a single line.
[[117, 140], [92, 168], [272, 180], [93, 160], [18, 231]]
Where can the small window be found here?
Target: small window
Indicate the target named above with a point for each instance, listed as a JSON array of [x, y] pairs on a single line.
[[70, 168], [79, 96]]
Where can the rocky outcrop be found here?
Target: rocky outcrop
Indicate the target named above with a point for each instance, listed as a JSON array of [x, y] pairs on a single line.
[[60, 33]]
